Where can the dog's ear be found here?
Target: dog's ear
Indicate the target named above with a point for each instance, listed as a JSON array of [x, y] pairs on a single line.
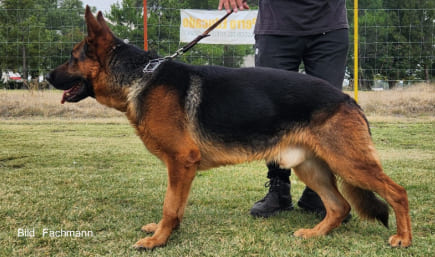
[[100, 36], [103, 22], [93, 25], [97, 27]]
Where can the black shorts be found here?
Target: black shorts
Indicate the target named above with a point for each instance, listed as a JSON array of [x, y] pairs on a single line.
[[324, 55]]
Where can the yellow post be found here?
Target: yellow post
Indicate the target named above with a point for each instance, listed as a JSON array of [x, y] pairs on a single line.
[[355, 49]]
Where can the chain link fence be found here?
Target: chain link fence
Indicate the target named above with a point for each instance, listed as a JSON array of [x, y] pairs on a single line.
[[396, 46]]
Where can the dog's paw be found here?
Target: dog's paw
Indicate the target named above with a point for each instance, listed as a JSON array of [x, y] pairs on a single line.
[[147, 243], [306, 233], [149, 228], [399, 241]]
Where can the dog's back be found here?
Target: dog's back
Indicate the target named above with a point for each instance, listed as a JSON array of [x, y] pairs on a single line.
[[238, 105]]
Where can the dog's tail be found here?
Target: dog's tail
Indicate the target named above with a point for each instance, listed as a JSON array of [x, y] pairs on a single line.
[[365, 202]]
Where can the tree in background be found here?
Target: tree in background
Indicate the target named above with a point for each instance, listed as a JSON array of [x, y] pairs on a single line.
[[373, 52], [395, 41], [125, 19], [415, 29], [66, 26], [26, 28], [38, 34], [396, 36]]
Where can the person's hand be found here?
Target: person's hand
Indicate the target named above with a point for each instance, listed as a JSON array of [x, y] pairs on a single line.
[[233, 5]]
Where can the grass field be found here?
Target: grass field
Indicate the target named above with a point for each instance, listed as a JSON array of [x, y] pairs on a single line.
[[81, 167]]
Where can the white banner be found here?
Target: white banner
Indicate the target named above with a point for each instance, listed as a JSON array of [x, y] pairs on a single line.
[[237, 29]]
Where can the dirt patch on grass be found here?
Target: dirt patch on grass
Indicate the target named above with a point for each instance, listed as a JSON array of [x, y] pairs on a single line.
[[46, 104], [418, 100], [411, 102]]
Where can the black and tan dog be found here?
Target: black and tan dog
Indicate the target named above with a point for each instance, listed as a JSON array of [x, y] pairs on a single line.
[[199, 117]]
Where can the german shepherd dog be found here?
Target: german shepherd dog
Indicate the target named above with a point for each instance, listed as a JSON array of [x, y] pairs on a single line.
[[199, 117]]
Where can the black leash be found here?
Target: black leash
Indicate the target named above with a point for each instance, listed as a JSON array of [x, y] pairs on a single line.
[[154, 63]]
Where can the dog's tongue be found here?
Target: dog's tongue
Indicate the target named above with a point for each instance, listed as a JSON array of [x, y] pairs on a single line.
[[63, 97], [66, 93]]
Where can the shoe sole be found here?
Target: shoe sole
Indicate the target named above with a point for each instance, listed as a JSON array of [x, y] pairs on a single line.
[[269, 214]]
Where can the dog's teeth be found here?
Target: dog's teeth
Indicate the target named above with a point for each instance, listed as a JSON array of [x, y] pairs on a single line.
[[67, 94]]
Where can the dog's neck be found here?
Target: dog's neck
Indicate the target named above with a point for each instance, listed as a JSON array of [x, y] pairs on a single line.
[[123, 75], [126, 63]]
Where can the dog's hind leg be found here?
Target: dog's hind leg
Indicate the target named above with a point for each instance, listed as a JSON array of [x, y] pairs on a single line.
[[317, 175], [346, 145], [181, 172], [366, 175]]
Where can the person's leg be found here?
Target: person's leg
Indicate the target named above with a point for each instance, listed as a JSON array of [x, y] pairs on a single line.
[[324, 57], [278, 52], [278, 198]]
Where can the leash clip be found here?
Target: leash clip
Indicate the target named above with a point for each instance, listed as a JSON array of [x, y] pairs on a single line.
[[176, 54], [153, 65]]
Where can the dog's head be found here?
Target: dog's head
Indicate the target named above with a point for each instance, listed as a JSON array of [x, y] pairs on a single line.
[[85, 73]]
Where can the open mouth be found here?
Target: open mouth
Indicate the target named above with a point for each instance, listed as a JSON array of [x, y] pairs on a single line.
[[73, 94]]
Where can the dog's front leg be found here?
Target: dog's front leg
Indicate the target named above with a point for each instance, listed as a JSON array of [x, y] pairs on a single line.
[[181, 172]]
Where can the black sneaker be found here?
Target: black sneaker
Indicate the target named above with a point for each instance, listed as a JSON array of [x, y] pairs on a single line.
[[277, 199], [311, 202]]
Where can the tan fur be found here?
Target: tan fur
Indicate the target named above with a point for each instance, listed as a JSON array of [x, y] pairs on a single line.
[[352, 156], [163, 131], [316, 174]]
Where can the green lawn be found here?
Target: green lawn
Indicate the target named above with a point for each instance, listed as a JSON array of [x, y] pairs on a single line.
[[97, 176]]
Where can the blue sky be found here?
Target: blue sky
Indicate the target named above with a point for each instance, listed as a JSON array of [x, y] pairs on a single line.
[[102, 5]]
